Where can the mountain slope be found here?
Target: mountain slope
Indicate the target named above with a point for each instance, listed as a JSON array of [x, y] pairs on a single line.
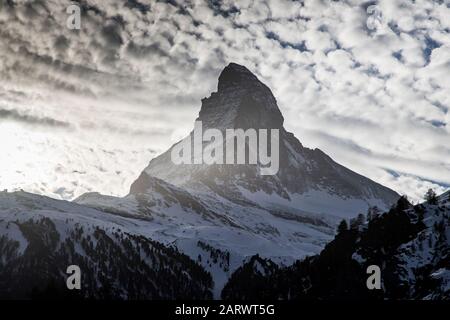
[[198, 224], [242, 101], [41, 237], [234, 208], [410, 244]]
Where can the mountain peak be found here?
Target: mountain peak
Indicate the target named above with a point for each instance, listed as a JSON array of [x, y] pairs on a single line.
[[244, 102], [241, 101], [235, 75]]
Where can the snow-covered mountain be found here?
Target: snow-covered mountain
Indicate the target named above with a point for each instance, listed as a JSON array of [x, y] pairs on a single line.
[[40, 237], [410, 244], [177, 218], [233, 209], [307, 179]]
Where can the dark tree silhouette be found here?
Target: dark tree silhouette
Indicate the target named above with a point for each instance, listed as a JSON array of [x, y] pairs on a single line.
[[431, 196], [343, 226], [373, 213]]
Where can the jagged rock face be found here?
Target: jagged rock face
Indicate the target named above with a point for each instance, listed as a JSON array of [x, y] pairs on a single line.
[[242, 101]]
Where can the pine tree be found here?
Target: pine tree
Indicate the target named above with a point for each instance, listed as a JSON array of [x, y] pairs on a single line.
[[361, 219], [402, 203], [343, 226], [431, 196], [373, 213], [358, 221]]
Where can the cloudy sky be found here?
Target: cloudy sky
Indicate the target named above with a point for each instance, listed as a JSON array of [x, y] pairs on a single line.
[[85, 110]]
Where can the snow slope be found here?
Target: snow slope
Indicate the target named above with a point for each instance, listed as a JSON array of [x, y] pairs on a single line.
[[233, 208], [40, 237], [410, 244]]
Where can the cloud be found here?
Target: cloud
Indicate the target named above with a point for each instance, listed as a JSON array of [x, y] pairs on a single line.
[[368, 87], [31, 120]]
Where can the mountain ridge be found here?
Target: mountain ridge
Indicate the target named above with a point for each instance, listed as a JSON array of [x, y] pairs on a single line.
[[409, 243], [234, 209], [242, 101], [219, 215]]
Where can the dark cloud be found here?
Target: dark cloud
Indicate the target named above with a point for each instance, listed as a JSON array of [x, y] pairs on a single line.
[[14, 115], [134, 4], [144, 51], [429, 44], [297, 46]]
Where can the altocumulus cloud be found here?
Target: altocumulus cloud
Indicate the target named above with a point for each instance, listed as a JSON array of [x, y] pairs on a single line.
[[367, 82], [14, 115]]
